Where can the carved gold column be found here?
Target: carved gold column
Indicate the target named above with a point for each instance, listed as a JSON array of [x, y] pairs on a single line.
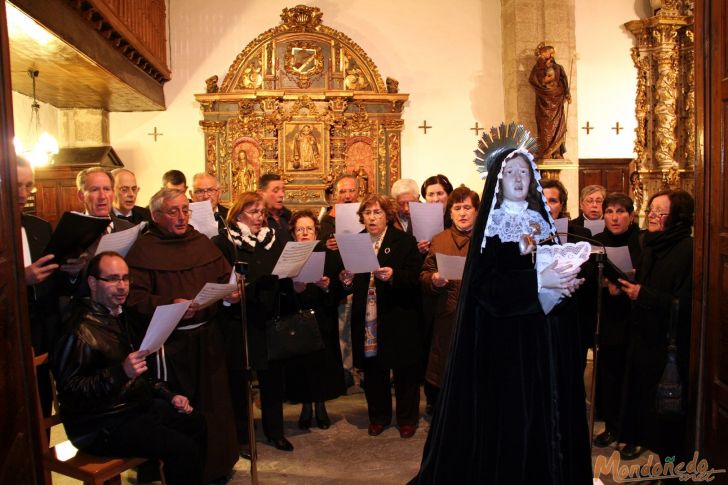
[[664, 102]]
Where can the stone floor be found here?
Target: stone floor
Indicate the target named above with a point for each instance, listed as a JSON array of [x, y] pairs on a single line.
[[342, 455]]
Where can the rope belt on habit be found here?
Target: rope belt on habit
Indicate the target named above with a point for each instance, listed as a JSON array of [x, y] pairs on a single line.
[[192, 326]]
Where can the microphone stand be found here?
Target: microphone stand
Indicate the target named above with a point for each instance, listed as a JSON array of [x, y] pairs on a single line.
[[241, 269]]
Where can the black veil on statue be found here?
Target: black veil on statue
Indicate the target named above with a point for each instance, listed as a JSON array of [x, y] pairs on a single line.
[[458, 449]]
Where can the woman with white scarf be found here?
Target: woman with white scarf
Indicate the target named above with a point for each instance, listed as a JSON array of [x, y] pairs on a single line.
[[248, 239]]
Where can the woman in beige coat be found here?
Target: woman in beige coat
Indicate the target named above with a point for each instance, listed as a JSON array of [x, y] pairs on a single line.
[[462, 205]]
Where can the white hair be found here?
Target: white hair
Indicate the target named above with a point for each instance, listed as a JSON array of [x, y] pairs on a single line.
[[405, 186]]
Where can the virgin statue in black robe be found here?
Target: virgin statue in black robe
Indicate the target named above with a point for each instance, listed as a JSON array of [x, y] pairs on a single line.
[[512, 407]]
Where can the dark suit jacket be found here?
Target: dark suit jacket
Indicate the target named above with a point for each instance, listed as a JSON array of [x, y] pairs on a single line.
[[42, 298], [137, 216]]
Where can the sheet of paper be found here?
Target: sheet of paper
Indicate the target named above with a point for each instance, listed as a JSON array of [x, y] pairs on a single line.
[[293, 258], [313, 270], [347, 220], [203, 219], [121, 241], [164, 321], [620, 257], [212, 292], [595, 227], [357, 252], [427, 220], [450, 267], [562, 228]]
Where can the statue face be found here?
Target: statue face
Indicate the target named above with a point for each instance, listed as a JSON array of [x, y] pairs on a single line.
[[516, 179]]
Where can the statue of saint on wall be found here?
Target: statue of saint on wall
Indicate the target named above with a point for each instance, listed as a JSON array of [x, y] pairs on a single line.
[[549, 80], [306, 154], [244, 178]]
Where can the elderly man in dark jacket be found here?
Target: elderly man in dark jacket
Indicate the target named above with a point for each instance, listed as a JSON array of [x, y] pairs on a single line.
[[107, 405]]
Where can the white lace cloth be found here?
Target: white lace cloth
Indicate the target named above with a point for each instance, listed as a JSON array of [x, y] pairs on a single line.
[[568, 256], [512, 220]]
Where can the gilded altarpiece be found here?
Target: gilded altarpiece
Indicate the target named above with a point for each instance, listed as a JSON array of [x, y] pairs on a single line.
[[304, 101], [665, 141]]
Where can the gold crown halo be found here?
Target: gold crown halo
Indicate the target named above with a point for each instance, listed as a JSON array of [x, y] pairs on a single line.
[[504, 138]]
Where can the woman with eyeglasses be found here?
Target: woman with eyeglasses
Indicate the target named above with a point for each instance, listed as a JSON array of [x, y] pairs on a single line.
[[248, 239], [315, 378], [664, 274], [385, 320]]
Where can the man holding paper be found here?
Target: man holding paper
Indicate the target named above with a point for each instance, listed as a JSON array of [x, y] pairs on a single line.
[[206, 187], [171, 263], [109, 404]]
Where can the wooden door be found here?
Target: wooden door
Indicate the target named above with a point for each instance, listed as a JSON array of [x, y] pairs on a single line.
[[612, 173], [709, 366], [20, 461]]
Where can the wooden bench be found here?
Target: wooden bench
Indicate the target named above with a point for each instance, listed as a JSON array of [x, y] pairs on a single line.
[[65, 459]]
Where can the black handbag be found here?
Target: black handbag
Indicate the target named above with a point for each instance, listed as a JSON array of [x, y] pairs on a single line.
[[669, 400], [292, 335]]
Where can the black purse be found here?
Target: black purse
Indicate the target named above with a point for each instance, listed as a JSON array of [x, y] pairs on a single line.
[[292, 335], [669, 400]]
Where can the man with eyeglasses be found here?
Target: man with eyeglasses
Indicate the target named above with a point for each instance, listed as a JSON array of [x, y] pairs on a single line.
[[125, 196], [42, 297], [171, 263], [590, 203], [206, 187], [109, 404]]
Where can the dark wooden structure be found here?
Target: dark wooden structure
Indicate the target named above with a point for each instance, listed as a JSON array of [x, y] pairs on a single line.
[[612, 173]]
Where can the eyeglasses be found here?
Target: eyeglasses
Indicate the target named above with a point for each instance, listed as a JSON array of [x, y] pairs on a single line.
[[125, 189], [176, 212], [375, 213], [305, 229], [652, 213], [205, 191], [115, 280], [252, 213], [347, 191], [598, 201]]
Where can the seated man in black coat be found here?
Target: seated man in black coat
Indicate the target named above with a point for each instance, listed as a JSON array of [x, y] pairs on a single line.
[[107, 405]]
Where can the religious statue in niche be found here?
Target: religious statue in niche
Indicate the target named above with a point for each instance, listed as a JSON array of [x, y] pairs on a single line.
[[552, 90], [244, 173], [359, 162], [303, 147]]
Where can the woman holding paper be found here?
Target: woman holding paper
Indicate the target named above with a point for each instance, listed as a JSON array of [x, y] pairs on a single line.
[[462, 205], [620, 231], [662, 299], [437, 189], [249, 240], [316, 377], [386, 334], [511, 408]]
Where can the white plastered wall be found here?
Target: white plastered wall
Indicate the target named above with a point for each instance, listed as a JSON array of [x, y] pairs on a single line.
[[446, 55]]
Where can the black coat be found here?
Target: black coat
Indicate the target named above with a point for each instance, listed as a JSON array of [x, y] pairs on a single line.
[[43, 309], [137, 216], [319, 376], [399, 305], [664, 273], [263, 292]]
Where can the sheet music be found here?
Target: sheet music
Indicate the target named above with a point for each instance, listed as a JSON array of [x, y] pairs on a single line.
[[293, 258], [313, 270], [163, 323], [619, 255], [357, 252], [212, 292], [562, 228], [347, 220], [595, 227], [450, 267], [121, 241], [427, 220], [203, 219]]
